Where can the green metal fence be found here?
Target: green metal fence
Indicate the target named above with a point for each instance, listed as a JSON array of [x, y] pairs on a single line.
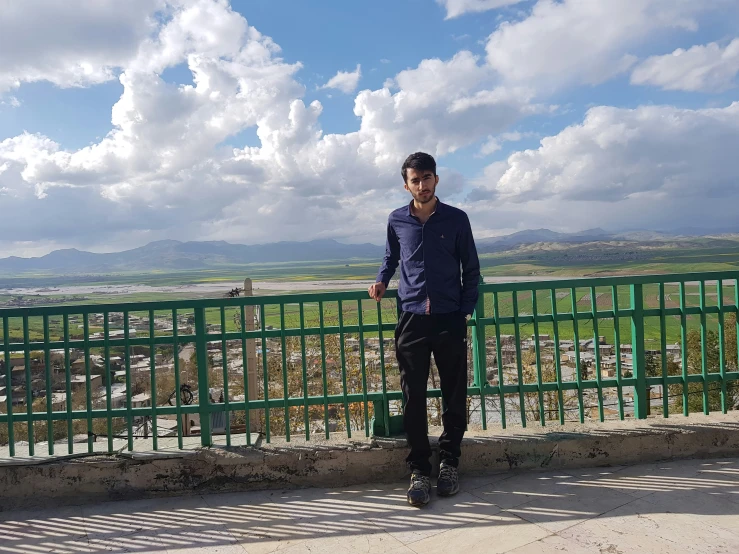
[[230, 370]]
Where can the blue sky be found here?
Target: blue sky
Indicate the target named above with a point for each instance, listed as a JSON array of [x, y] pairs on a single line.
[[561, 114]]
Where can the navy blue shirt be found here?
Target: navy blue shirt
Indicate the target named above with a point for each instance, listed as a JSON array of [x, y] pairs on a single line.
[[439, 269]]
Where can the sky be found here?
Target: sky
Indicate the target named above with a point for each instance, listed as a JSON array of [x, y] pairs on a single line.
[[256, 121]]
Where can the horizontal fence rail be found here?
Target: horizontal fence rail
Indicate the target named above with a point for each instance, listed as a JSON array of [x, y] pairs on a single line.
[[82, 379]]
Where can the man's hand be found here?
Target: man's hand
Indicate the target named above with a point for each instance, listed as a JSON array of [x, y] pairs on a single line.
[[377, 291]]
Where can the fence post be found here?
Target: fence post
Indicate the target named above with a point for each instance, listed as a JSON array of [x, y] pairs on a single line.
[[479, 353], [201, 350], [641, 396], [251, 358]]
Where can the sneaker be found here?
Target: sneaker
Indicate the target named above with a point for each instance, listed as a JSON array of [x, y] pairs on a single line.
[[418, 493], [448, 482]]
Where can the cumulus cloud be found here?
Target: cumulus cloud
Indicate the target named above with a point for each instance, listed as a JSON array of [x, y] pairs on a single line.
[[345, 81], [655, 164], [493, 144], [705, 68], [455, 8], [573, 42], [71, 43], [162, 171]]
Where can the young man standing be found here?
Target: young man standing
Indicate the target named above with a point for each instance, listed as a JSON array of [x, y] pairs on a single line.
[[439, 273]]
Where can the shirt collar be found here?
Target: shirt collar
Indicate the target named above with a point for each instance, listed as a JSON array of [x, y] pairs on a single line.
[[438, 207]]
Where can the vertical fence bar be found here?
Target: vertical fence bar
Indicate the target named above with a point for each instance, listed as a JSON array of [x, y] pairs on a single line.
[[578, 369], [224, 364], [249, 350], [684, 348], [306, 413], [537, 353], [519, 363], [8, 386], [637, 352], [108, 377], [385, 402], [127, 346], [29, 388], [363, 367], [704, 344], [596, 344], [617, 338], [153, 381], [342, 354], [68, 375], [663, 351], [245, 374], [49, 397], [265, 368], [499, 355], [480, 353], [323, 367], [285, 392], [88, 378], [201, 352], [736, 318], [721, 346], [557, 357], [177, 385]]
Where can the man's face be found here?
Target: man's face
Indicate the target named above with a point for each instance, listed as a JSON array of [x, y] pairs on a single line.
[[421, 184]]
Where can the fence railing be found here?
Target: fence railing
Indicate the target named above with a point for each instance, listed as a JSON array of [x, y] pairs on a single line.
[[153, 375]]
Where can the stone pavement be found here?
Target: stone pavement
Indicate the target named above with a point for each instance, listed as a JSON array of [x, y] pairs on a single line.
[[670, 507]]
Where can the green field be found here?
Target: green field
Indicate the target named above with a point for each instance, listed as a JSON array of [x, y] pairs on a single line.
[[563, 299], [556, 260]]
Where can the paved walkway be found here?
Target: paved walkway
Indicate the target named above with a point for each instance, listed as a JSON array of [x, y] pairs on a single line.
[[687, 506]]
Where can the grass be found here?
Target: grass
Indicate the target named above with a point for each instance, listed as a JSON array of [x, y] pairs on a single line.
[[563, 301], [596, 259]]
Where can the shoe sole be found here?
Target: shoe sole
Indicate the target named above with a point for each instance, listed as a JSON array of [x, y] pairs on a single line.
[[445, 494], [418, 504]]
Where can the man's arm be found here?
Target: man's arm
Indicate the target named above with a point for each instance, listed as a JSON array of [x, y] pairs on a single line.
[[392, 257], [470, 268]]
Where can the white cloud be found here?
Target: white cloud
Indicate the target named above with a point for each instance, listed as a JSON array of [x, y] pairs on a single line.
[[584, 41], [706, 68], [493, 144], [654, 165], [11, 101], [440, 106], [455, 8], [71, 43], [162, 172], [345, 81]]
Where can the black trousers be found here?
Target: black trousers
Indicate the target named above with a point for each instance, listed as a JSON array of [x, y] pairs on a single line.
[[417, 337]]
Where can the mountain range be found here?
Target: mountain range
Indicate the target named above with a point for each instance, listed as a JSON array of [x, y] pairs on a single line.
[[174, 254], [193, 255]]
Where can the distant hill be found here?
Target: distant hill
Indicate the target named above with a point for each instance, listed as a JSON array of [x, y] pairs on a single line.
[[593, 244], [531, 236], [173, 255]]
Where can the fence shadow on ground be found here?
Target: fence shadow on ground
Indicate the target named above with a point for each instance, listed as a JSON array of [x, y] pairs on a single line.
[[516, 505]]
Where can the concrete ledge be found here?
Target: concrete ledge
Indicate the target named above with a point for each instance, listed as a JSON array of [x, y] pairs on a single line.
[[341, 464]]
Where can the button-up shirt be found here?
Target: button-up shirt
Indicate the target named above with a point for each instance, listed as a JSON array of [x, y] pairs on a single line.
[[439, 268]]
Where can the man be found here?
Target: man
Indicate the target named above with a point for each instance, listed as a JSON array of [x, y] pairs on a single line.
[[431, 241]]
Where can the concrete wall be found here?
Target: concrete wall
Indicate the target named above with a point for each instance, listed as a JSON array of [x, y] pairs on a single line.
[[333, 464]]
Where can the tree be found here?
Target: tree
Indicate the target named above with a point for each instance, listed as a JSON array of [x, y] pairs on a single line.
[[652, 367], [695, 366]]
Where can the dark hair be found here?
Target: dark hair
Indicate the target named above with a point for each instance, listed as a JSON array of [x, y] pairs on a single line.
[[419, 161]]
